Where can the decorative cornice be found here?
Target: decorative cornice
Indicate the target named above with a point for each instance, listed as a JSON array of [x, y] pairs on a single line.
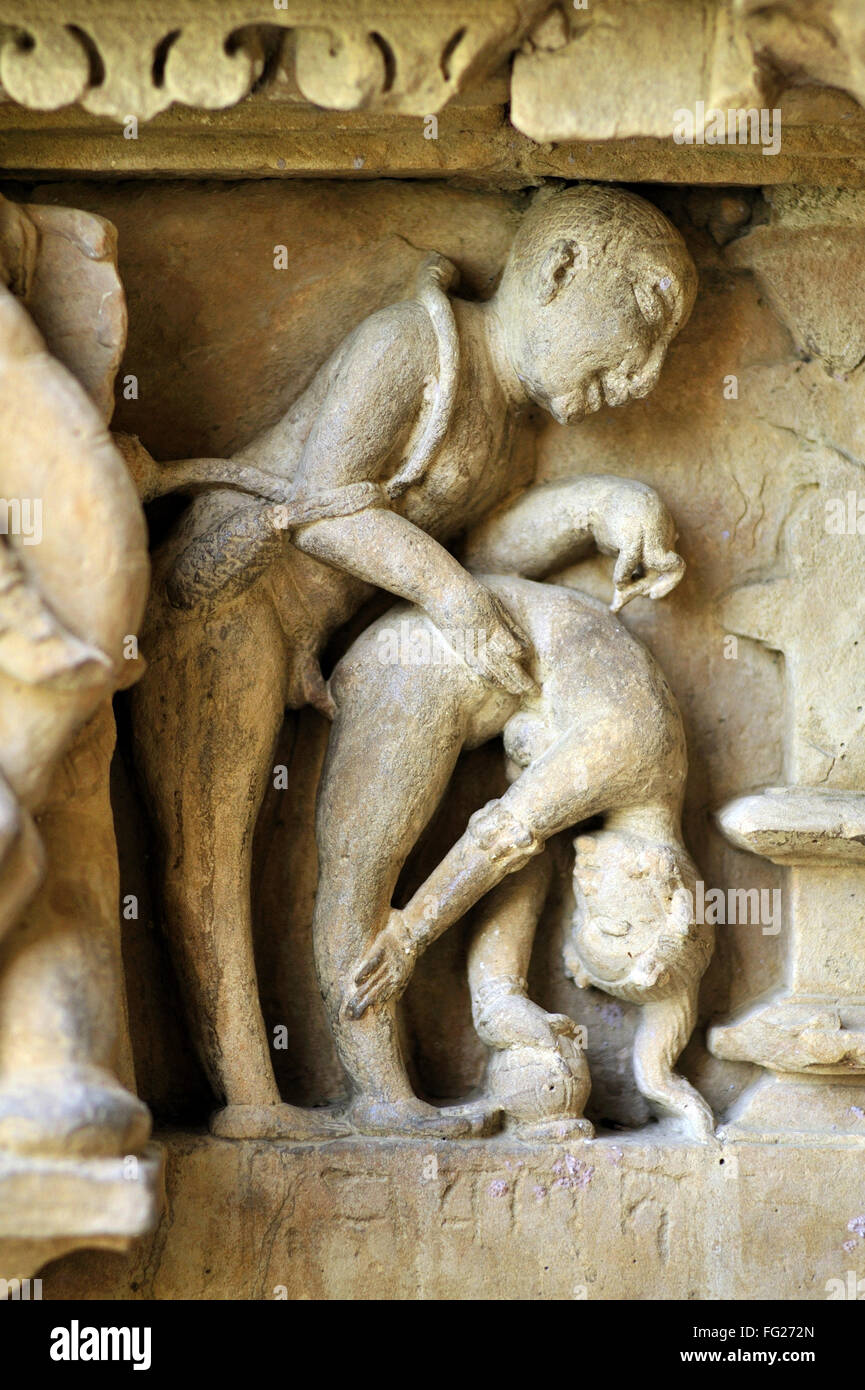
[[592, 92], [123, 60]]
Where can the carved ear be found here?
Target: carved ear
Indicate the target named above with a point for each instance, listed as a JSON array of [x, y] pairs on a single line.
[[557, 269]]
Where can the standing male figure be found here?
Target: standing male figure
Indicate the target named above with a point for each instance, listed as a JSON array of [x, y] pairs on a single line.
[[403, 440]]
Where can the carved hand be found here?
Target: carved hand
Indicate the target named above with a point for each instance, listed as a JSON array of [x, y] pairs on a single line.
[[499, 649], [636, 526], [385, 970]]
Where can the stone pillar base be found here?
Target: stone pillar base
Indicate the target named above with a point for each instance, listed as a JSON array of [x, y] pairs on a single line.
[[50, 1207], [784, 1108]]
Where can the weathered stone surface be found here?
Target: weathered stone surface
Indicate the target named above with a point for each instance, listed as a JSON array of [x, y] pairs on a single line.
[[76, 300], [43, 1198], [74, 578], [203, 409], [614, 1218], [630, 67], [261, 331], [557, 997], [275, 135], [136, 63], [793, 825], [809, 229], [623, 69], [51, 1206]]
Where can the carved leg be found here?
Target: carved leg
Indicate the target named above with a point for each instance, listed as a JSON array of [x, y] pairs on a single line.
[[22, 858], [63, 1036], [537, 1072], [664, 1028], [506, 834], [207, 715], [376, 795], [498, 962]]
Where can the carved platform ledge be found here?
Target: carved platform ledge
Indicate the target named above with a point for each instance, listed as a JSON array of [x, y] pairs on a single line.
[[796, 825], [276, 134], [50, 1207], [619, 1217]]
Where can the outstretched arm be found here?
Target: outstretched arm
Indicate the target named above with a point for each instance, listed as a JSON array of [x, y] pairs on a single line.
[[500, 839], [554, 524]]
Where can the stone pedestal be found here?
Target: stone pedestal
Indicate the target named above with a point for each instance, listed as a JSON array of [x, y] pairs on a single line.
[[615, 1217], [49, 1207], [815, 1027]]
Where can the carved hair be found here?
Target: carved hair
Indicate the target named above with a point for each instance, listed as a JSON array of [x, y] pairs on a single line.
[[615, 227]]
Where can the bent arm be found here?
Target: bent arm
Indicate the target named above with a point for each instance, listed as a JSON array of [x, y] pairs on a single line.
[[553, 525], [546, 528], [383, 548]]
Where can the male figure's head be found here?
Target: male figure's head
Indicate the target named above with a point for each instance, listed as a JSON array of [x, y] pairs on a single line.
[[596, 286]]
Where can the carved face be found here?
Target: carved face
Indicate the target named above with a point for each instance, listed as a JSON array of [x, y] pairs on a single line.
[[632, 931], [597, 285], [588, 346]]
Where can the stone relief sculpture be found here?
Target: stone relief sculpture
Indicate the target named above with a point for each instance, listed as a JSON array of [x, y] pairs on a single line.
[[602, 734], [405, 439], [71, 596], [427, 854]]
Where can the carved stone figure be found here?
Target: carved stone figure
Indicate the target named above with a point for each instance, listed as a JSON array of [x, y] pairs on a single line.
[[562, 1014], [70, 597], [601, 735], [635, 937], [404, 438]]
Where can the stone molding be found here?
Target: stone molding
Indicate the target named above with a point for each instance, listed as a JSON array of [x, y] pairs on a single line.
[[119, 61]]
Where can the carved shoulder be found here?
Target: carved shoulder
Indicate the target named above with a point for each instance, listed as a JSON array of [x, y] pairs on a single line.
[[374, 393]]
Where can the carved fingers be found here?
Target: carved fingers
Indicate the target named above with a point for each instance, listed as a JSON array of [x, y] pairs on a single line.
[[383, 972], [501, 649], [644, 568]]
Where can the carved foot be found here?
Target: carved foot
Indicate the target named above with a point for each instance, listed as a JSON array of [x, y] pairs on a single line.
[[689, 1113], [697, 1119], [70, 1112], [277, 1122], [542, 1090], [413, 1119], [555, 1131], [513, 1020]]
